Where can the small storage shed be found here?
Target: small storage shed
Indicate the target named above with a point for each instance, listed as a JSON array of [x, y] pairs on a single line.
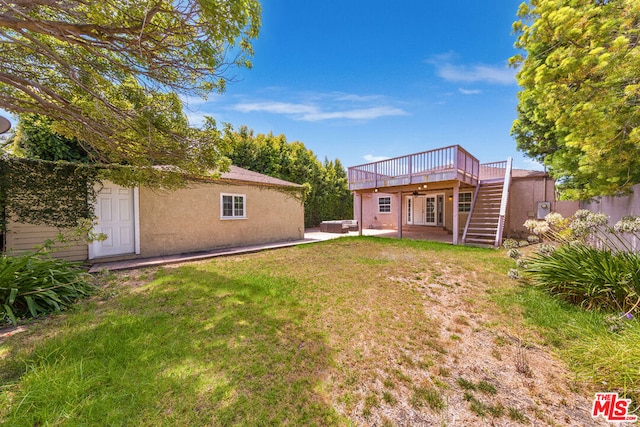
[[240, 208]]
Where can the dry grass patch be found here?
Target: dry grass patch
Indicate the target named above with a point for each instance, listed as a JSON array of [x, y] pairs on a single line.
[[352, 331]]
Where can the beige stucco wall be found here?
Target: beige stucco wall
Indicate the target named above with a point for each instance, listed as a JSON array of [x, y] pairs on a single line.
[[371, 218], [525, 193], [188, 220], [22, 237]]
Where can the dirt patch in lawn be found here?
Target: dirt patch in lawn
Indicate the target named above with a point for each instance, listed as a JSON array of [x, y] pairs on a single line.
[[373, 332], [419, 342]]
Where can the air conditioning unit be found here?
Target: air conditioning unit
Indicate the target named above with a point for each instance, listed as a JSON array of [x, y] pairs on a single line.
[[543, 209]]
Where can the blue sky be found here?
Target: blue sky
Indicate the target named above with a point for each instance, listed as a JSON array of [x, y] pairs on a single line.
[[363, 80]]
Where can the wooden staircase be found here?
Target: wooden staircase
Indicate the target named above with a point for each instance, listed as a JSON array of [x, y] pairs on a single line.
[[484, 219], [485, 223]]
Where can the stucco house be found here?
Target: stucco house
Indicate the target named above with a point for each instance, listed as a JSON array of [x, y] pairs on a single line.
[[239, 208], [448, 189]]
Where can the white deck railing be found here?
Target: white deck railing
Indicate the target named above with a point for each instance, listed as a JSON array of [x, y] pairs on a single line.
[[504, 200], [442, 164], [493, 171]]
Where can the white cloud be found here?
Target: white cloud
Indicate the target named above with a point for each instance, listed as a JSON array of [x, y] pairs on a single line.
[[331, 110], [371, 158], [477, 73], [355, 114], [356, 98], [275, 108], [469, 91], [193, 101]]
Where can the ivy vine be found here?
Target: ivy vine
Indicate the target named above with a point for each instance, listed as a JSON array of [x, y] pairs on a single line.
[[40, 192], [63, 194]]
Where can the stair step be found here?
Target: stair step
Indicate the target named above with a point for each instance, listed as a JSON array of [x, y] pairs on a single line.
[[480, 232], [480, 235], [480, 242], [483, 224]]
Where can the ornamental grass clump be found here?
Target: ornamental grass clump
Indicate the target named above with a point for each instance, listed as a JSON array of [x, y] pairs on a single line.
[[585, 261], [33, 284]]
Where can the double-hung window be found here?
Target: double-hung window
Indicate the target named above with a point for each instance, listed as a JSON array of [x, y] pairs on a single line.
[[233, 206], [384, 204], [464, 202]]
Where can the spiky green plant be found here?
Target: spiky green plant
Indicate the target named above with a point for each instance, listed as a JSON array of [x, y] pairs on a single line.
[[593, 278], [32, 284]]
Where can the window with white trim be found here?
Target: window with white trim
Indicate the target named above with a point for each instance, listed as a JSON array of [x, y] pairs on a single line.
[[233, 206], [384, 204], [464, 202]]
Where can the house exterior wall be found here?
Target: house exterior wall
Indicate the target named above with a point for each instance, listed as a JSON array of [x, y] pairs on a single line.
[[524, 195], [189, 219], [371, 218], [22, 237]]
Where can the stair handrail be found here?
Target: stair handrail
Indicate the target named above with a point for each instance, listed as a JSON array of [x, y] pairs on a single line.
[[473, 205], [503, 202]]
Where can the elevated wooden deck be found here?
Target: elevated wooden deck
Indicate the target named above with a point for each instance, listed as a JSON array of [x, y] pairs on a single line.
[[451, 163]]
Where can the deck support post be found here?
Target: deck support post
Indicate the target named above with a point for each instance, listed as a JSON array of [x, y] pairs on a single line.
[[456, 218], [399, 214], [359, 196]]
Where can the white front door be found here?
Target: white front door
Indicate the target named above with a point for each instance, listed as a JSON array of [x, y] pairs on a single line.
[[115, 219]]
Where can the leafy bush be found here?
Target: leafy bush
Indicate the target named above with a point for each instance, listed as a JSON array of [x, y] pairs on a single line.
[[588, 262], [32, 284], [587, 276]]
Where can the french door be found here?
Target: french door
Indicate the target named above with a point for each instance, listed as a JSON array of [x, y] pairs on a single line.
[[425, 209]]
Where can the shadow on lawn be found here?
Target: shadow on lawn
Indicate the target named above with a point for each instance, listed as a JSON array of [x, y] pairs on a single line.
[[192, 347]]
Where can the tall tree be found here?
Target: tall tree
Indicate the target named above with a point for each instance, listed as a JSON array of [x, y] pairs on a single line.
[[109, 72], [34, 138], [578, 110], [328, 194]]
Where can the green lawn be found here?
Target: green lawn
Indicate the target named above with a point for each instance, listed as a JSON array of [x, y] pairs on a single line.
[[350, 331]]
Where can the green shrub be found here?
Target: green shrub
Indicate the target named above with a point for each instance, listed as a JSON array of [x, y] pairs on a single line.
[[590, 277], [32, 284]]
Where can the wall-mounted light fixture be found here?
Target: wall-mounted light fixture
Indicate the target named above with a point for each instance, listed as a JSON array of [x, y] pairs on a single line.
[[375, 191]]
